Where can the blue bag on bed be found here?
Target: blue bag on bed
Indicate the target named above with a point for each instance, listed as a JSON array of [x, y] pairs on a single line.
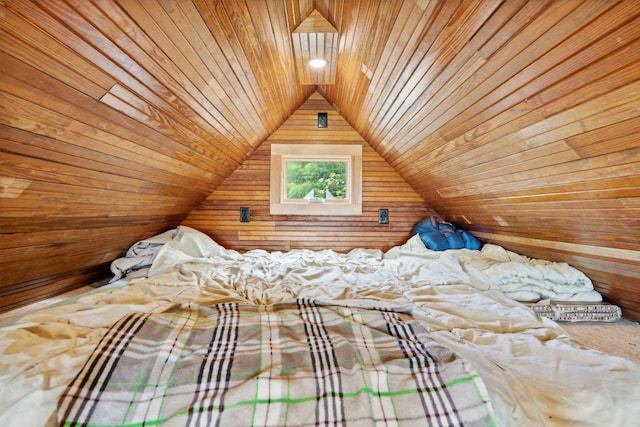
[[434, 240], [470, 241], [439, 236], [446, 226], [429, 224], [454, 240]]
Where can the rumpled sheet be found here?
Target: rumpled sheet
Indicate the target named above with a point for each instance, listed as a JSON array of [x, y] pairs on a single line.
[[518, 277], [534, 373], [140, 256]]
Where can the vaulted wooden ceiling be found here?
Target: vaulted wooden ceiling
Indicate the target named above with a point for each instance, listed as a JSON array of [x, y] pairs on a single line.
[[518, 119]]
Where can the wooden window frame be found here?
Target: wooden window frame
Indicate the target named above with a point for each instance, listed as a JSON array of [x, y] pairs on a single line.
[[281, 153]]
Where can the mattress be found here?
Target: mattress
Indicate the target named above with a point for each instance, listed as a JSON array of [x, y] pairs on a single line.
[[532, 371]]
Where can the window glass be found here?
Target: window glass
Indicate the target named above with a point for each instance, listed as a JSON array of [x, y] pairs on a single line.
[[316, 179]]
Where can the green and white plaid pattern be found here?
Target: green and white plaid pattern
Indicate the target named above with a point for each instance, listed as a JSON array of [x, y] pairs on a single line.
[[298, 364]]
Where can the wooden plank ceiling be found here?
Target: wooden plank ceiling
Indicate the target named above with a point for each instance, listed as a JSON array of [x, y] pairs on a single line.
[[516, 119]]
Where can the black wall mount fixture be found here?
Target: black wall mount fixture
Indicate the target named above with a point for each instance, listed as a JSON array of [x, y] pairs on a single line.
[[383, 216], [323, 120], [245, 214]]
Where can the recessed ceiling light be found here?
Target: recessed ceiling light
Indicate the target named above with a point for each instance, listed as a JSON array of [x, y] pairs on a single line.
[[317, 63]]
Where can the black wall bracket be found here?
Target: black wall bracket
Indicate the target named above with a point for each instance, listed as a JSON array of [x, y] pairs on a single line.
[[245, 214], [383, 216], [323, 120]]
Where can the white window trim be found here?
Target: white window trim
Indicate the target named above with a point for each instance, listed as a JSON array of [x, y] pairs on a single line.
[[281, 153]]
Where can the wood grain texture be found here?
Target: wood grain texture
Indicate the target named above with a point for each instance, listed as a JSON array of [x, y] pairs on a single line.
[[382, 187], [315, 39], [517, 119], [123, 117]]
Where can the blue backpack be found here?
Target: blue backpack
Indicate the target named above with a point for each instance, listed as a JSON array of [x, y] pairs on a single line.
[[428, 224], [470, 241], [440, 236]]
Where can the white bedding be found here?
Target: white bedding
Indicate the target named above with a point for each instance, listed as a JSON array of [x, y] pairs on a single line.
[[518, 277], [534, 373], [140, 256]]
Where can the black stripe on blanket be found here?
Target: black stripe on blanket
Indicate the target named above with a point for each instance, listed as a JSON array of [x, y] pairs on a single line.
[[95, 374], [300, 364], [329, 409], [215, 372]]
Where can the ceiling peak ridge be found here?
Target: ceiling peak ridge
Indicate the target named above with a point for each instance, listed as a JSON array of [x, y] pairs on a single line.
[[315, 50]]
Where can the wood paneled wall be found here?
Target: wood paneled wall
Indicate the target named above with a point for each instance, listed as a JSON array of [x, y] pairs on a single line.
[[517, 119], [117, 119], [248, 186]]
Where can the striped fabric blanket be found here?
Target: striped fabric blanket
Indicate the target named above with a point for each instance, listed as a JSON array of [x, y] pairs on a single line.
[[301, 363]]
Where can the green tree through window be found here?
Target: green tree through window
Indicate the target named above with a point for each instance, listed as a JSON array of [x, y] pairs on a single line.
[[323, 180], [302, 174]]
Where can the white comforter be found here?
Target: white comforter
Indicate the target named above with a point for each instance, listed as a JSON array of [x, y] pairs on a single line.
[[518, 277], [534, 373]]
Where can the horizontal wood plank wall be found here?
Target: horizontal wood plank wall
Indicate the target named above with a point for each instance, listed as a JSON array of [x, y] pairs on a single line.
[[248, 186], [118, 118], [78, 185], [518, 120]]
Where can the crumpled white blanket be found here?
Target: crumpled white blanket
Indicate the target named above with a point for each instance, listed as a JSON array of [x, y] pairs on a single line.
[[534, 373], [520, 278], [265, 277], [139, 257]]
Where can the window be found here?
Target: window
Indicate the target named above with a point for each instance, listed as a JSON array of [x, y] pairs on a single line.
[[313, 179]]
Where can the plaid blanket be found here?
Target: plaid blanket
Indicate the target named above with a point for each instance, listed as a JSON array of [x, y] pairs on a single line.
[[301, 363]]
